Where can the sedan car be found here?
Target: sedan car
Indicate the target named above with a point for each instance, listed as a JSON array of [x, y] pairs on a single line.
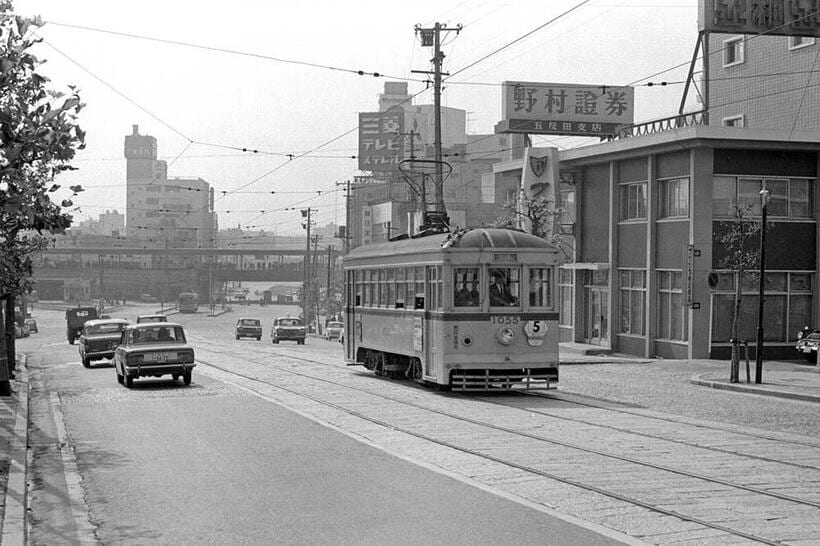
[[153, 349], [334, 330], [248, 327], [99, 339], [288, 329], [152, 318], [32, 325], [808, 346]]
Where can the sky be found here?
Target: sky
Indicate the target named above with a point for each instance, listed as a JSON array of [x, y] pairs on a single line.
[[209, 79]]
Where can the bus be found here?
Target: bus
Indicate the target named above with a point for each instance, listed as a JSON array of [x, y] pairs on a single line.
[[188, 302]]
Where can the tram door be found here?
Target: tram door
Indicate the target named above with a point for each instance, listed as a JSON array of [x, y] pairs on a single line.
[[597, 298]]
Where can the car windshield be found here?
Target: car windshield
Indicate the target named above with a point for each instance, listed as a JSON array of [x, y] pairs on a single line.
[[157, 334], [334, 325], [814, 337], [249, 322], [111, 328], [288, 322], [160, 318]]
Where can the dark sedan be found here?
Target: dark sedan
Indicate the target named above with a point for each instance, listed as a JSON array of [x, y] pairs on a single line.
[[153, 349], [99, 339]]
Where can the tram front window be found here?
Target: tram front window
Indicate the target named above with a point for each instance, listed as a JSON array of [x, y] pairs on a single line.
[[465, 287], [504, 286]]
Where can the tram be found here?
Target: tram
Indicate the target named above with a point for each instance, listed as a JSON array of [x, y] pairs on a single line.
[[472, 310]]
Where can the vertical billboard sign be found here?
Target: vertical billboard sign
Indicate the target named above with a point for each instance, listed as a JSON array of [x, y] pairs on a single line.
[[565, 109], [380, 140], [772, 17]]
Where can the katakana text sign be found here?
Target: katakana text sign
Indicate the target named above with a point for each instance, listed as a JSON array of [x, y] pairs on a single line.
[[380, 140]]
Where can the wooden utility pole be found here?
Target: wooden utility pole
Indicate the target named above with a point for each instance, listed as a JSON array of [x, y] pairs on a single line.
[[431, 37], [306, 268]]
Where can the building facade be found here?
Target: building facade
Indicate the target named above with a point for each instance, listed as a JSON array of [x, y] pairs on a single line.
[[163, 212], [763, 81], [652, 271]]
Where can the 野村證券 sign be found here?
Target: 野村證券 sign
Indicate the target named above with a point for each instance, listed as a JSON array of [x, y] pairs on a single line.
[[565, 109]]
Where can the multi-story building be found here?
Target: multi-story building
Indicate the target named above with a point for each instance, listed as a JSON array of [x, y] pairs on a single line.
[[763, 81], [163, 212]]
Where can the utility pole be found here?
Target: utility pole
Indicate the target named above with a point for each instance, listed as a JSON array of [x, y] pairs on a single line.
[[306, 268], [432, 37], [347, 233], [329, 269]]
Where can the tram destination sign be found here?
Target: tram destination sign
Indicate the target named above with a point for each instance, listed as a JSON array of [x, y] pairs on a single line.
[[771, 17], [565, 109]]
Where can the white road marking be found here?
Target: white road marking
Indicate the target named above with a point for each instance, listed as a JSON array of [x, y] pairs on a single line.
[[73, 478]]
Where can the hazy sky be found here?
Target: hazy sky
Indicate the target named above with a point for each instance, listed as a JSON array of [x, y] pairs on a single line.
[[242, 74]]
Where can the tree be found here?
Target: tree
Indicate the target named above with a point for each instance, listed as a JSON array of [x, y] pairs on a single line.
[[538, 215], [741, 257], [39, 135]]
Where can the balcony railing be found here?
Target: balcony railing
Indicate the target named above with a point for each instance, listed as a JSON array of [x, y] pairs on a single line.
[[656, 126]]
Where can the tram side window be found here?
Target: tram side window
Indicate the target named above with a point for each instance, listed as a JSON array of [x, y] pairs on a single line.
[[504, 286], [540, 287], [356, 279], [419, 290], [391, 288], [400, 273], [434, 287], [466, 286]]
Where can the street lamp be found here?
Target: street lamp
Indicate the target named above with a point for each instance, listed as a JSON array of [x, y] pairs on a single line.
[[764, 202]]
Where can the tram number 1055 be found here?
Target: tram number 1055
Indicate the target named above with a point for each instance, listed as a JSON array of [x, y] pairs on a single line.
[[505, 320]]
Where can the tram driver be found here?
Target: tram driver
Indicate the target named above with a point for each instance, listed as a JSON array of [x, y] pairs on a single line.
[[500, 294]]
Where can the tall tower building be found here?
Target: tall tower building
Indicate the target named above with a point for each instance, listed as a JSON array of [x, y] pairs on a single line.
[[163, 213]]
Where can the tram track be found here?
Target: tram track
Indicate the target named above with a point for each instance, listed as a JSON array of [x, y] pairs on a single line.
[[512, 436]]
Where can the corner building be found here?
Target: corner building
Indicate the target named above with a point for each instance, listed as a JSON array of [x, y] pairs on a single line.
[[650, 211]]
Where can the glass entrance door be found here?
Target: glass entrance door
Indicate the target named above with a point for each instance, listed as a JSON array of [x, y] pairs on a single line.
[[597, 316]]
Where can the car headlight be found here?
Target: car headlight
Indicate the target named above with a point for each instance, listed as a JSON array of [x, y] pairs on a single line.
[[505, 335]]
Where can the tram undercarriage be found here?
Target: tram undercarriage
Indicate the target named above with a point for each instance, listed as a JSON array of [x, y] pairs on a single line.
[[463, 379]]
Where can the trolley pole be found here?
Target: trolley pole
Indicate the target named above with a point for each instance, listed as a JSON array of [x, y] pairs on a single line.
[[431, 37]]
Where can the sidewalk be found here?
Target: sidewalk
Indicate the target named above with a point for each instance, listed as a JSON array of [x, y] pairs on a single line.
[[781, 379], [13, 458]]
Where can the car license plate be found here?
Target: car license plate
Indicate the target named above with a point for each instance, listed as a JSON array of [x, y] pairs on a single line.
[[162, 357]]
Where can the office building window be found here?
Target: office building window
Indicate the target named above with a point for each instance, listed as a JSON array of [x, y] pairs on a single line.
[[733, 51], [788, 307], [734, 121], [798, 42], [674, 198], [565, 292], [632, 288], [633, 201], [788, 197], [673, 316]]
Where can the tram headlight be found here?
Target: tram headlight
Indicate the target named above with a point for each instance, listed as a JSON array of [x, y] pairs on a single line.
[[505, 335]]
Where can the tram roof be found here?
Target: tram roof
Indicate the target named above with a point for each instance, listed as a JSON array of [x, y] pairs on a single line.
[[472, 239]]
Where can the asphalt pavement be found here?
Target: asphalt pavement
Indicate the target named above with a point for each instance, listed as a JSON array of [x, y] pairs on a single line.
[[790, 380]]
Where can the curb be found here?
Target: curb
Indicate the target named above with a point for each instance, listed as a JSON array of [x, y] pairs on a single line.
[[749, 389], [14, 517]]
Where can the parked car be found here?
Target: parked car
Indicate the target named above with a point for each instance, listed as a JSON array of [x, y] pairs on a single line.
[[152, 318], [288, 329], [75, 318], [248, 327], [99, 339], [32, 325], [808, 344], [153, 349], [21, 330], [333, 330]]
